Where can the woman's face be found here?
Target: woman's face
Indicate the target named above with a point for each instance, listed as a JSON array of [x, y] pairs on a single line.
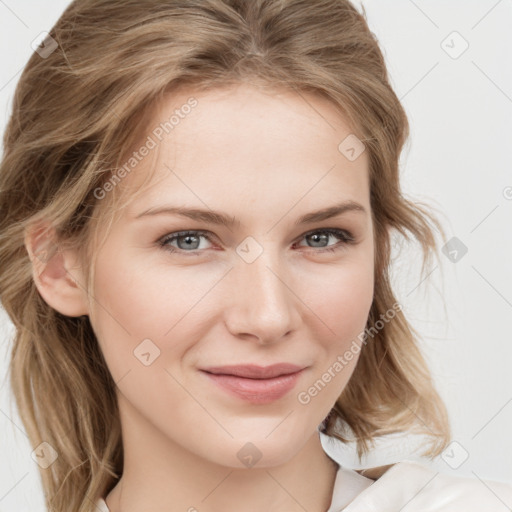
[[262, 290]]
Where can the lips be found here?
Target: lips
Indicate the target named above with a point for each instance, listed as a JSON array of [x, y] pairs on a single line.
[[255, 384], [252, 371]]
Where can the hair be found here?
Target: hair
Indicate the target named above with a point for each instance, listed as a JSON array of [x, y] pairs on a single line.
[[77, 113]]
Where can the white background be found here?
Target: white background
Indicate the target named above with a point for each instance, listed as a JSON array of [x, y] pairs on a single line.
[[457, 159]]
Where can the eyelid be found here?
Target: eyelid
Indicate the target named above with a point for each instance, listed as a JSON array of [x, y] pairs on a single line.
[[345, 232]]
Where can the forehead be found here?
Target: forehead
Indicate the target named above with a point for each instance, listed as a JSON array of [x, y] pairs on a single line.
[[246, 142]]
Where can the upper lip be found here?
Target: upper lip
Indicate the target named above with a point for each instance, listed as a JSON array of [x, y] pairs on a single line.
[[253, 371]]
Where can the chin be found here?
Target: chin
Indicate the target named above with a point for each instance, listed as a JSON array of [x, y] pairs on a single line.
[[259, 451]]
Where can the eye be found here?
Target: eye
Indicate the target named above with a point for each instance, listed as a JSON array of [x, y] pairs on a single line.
[[323, 235], [320, 236], [186, 240]]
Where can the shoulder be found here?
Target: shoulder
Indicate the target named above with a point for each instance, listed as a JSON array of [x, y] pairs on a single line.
[[410, 486]]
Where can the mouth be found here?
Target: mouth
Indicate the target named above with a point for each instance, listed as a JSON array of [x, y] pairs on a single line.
[[256, 384], [252, 371]]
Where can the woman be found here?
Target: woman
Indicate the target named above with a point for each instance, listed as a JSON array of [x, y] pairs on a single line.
[[198, 200]]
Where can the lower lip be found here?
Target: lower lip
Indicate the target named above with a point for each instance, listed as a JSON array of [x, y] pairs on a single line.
[[257, 391]]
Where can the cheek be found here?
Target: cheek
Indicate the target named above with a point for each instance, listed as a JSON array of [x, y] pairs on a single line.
[[343, 306], [350, 304], [136, 302], [127, 310], [343, 301]]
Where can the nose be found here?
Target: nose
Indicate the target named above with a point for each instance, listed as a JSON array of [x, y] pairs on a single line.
[[263, 305]]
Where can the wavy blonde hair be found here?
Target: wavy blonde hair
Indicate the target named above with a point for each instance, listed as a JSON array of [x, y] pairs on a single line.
[[78, 111]]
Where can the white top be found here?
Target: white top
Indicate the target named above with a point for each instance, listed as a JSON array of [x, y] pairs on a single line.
[[408, 486]]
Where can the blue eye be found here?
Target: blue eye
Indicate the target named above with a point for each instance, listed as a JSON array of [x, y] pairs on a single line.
[[189, 238], [186, 240], [324, 234]]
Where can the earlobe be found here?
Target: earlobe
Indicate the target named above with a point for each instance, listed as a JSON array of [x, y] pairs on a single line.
[[56, 274]]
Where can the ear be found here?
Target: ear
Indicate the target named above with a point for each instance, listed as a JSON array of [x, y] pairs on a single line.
[[56, 273]]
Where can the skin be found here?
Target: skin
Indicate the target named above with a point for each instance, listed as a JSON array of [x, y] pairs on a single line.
[[265, 157]]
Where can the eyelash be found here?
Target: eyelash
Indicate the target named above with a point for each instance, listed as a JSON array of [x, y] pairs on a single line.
[[345, 236]]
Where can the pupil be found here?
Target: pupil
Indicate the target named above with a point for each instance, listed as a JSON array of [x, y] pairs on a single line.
[[188, 238]]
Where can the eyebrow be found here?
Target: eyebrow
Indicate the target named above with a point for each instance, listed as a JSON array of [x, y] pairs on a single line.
[[222, 219]]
